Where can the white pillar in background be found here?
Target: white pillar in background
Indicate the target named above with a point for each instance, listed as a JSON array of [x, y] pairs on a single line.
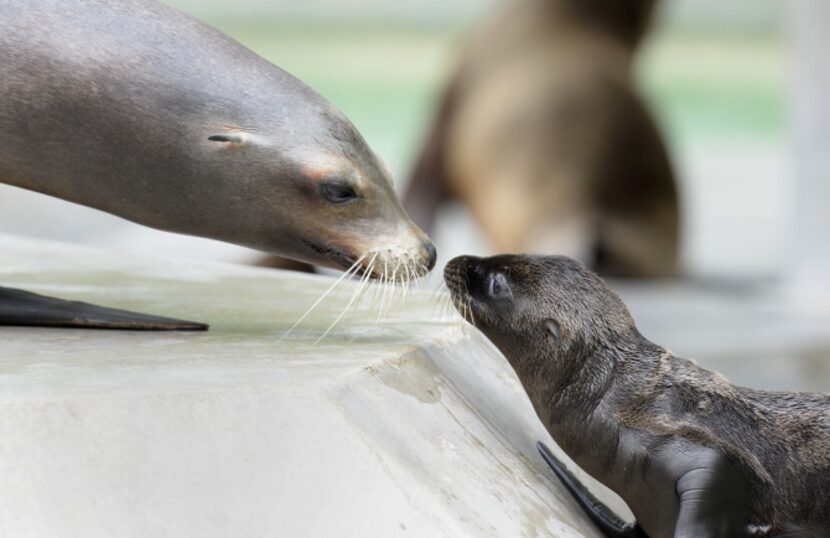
[[810, 139]]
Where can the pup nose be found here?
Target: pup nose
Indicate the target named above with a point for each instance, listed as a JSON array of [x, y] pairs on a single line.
[[432, 254]]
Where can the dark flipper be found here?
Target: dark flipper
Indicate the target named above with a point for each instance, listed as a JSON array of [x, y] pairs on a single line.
[[607, 521], [19, 307]]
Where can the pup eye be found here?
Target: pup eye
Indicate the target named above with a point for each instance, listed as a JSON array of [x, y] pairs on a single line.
[[338, 193], [497, 285]]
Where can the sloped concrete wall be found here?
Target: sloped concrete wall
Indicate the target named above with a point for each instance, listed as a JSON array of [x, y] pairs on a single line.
[[407, 425]]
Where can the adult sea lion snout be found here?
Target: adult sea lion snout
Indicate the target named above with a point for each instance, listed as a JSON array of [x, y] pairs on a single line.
[[338, 207], [390, 258], [360, 225], [400, 257]]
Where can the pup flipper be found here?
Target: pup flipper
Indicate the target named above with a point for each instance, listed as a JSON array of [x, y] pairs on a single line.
[[603, 517]]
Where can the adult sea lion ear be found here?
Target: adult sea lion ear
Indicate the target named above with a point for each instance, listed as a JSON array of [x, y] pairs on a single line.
[[233, 138], [554, 330]]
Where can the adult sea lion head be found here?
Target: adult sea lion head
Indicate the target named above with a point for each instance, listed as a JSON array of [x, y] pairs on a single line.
[[329, 200], [170, 123], [542, 312]]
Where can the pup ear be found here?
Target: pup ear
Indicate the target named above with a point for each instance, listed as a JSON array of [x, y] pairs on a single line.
[[554, 330], [233, 138]]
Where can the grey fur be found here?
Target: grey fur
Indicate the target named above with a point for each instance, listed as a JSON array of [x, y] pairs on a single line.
[[111, 103], [691, 454]]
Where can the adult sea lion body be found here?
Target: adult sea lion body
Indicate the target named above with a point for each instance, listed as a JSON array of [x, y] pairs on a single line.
[[543, 135], [134, 108], [691, 454]]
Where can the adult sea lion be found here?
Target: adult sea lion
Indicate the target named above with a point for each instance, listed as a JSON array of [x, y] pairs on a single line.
[[691, 454], [134, 108], [544, 136]]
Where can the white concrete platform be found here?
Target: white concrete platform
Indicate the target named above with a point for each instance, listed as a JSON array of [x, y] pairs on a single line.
[[409, 426]]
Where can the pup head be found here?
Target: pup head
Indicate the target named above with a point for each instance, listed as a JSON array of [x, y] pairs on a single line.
[[536, 307]]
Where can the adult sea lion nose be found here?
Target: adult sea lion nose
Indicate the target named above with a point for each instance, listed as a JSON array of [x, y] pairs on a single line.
[[432, 255]]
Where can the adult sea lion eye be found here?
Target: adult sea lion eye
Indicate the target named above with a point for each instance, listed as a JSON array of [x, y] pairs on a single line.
[[338, 193]]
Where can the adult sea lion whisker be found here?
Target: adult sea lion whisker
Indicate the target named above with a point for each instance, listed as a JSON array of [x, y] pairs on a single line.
[[383, 292], [370, 282], [384, 289], [395, 270], [410, 278], [356, 293], [404, 279], [384, 297], [365, 280], [368, 271], [350, 271], [377, 286], [424, 273], [395, 287]]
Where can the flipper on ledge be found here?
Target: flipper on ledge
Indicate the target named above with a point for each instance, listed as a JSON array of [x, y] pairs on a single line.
[[18, 307], [603, 517]]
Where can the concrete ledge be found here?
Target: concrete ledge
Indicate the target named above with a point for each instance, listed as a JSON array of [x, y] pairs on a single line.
[[411, 426]]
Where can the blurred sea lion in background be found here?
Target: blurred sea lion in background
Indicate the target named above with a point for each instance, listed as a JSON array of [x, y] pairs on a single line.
[[544, 137], [137, 109]]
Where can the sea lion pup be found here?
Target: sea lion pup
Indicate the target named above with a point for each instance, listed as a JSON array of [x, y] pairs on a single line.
[[134, 108], [543, 135], [691, 454]]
